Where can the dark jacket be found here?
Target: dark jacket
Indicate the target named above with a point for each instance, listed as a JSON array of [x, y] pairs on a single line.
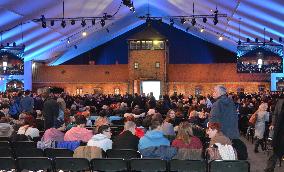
[[126, 140], [224, 112], [50, 112], [162, 152], [277, 122]]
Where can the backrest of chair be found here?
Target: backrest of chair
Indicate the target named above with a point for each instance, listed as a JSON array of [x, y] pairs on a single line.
[[7, 164], [23, 145], [53, 153], [6, 152], [34, 164], [88, 152], [231, 166], [188, 165], [189, 154], [71, 164], [108, 164], [148, 165], [4, 138], [5, 144], [32, 152], [122, 153]]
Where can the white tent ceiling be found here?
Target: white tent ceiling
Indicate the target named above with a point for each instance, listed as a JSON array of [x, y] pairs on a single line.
[[50, 43]]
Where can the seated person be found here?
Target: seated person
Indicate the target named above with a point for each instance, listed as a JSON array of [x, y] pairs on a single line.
[[29, 127], [154, 137], [6, 130], [102, 139], [54, 134], [127, 139], [185, 138], [79, 133], [220, 146]]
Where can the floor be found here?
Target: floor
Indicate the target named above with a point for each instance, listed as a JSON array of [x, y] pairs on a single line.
[[258, 160]]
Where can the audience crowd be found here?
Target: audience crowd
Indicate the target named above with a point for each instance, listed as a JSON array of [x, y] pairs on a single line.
[[176, 126]]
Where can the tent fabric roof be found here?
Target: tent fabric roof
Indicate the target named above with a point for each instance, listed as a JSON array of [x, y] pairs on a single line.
[[50, 44]]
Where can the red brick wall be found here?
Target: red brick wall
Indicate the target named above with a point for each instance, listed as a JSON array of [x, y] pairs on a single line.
[[181, 77]]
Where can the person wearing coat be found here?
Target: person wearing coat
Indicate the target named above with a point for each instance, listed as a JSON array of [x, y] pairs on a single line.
[[278, 137], [262, 117], [102, 139]]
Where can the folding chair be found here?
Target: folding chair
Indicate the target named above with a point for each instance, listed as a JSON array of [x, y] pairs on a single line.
[[5, 144], [71, 164], [34, 164], [32, 152], [109, 164], [230, 166], [122, 153], [6, 152], [148, 165], [188, 165], [53, 153], [7, 164]]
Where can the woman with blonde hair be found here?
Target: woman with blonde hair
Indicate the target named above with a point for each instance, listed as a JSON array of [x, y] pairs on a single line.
[[261, 118], [185, 138]]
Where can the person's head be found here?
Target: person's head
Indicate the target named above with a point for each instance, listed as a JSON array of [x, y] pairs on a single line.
[[184, 132], [213, 128], [27, 92], [171, 114], [156, 123], [219, 90], [263, 107], [81, 120], [105, 130], [30, 121], [130, 126], [129, 118]]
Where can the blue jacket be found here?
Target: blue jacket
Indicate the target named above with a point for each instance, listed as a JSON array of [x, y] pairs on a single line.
[[162, 152], [224, 111], [153, 138]]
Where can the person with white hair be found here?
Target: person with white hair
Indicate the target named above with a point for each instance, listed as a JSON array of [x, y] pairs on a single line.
[[262, 117], [224, 111]]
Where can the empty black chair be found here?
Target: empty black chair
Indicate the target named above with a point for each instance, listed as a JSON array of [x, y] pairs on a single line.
[[53, 153], [122, 153], [29, 153], [4, 138], [6, 152], [34, 164], [23, 145], [230, 166], [148, 165], [7, 164], [188, 165], [71, 164], [109, 164], [5, 144]]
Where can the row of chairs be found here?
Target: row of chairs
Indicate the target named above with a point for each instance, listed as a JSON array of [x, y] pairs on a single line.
[[117, 164], [34, 152]]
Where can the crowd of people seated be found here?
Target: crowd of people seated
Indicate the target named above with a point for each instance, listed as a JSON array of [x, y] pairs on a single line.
[[174, 126]]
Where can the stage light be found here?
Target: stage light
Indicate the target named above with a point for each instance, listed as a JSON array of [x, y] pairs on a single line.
[[193, 21], [83, 24], [103, 23], [182, 20], [94, 22], [215, 20], [63, 24], [43, 24], [239, 42], [202, 29], [72, 22], [220, 38], [204, 19], [51, 22], [68, 41], [84, 34]]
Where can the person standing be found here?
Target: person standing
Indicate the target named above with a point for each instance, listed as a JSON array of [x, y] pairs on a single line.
[[224, 112], [262, 117], [50, 111], [27, 103], [278, 137]]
